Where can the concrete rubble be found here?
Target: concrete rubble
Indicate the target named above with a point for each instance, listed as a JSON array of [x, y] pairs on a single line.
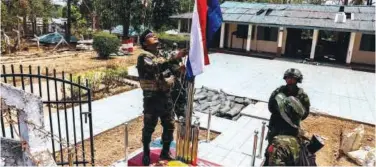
[[220, 103]]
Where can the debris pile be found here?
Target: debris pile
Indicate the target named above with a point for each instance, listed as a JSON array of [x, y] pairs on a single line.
[[351, 142], [85, 45], [219, 103]]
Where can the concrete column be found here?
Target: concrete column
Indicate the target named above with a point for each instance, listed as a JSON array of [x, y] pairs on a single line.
[[351, 48], [221, 42], [179, 25], [280, 41], [314, 42], [249, 37]]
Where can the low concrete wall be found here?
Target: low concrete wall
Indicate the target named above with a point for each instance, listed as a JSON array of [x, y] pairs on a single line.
[[30, 118], [11, 153]]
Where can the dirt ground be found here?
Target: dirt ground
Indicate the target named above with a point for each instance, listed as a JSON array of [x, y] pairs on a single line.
[[330, 129], [67, 61], [109, 146]]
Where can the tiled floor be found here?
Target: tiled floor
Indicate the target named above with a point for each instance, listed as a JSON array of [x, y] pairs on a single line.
[[335, 91]]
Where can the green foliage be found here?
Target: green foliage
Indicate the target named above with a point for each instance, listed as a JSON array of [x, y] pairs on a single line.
[[186, 6], [167, 39], [109, 12], [109, 78], [94, 81], [57, 11], [175, 38], [79, 24], [162, 10], [113, 77], [105, 44], [75, 13]]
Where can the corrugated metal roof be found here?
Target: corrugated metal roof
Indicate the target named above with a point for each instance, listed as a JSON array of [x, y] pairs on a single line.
[[296, 15]]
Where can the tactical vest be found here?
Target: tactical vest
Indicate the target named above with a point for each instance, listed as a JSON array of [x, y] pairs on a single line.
[[152, 81]]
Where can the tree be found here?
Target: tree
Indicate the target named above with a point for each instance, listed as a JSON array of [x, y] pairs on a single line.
[[162, 10], [77, 20], [108, 15]]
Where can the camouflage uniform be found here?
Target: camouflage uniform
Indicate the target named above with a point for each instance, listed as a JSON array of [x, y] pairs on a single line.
[[153, 69], [287, 90], [283, 148], [284, 151], [275, 118]]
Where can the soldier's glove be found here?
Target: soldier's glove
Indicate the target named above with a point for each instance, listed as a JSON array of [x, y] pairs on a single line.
[[170, 80]]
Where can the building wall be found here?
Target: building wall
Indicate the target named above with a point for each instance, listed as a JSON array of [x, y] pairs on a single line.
[[259, 45], [360, 56], [264, 46], [236, 42]]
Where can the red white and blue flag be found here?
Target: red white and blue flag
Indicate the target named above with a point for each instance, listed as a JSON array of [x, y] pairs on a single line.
[[206, 20]]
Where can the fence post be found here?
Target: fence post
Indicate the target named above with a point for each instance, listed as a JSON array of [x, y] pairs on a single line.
[[262, 138], [208, 128], [254, 148], [126, 143]]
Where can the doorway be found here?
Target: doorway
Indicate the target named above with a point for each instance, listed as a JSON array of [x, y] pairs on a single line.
[[298, 43]]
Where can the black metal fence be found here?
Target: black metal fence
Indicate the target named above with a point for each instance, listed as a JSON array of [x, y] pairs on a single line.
[[74, 96]]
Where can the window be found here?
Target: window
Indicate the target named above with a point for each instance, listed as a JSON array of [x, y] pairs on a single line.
[[367, 43], [267, 33], [242, 31]]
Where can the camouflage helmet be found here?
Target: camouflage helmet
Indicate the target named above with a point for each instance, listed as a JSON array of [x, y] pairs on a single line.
[[291, 109], [295, 73]]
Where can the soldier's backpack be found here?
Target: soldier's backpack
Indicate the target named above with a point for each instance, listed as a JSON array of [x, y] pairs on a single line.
[[306, 158]]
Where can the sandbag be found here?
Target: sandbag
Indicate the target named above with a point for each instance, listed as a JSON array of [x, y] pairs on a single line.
[[215, 97], [204, 107], [235, 110], [199, 96], [239, 100], [215, 109], [231, 98], [214, 103], [352, 141], [225, 107]]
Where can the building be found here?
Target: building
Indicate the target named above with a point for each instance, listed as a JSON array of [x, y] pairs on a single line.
[[338, 34]]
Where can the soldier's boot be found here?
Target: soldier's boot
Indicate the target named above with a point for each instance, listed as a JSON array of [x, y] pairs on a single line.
[[165, 153], [146, 156]]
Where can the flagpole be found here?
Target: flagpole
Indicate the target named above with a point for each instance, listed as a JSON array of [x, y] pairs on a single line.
[[188, 143]]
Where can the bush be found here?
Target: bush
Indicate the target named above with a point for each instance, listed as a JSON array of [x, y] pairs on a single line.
[[94, 81], [114, 76], [110, 78], [168, 39], [105, 44]]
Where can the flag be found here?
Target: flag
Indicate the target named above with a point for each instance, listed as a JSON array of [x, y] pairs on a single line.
[[206, 20]]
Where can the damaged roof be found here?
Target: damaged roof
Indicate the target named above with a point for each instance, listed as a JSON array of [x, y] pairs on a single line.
[[296, 16]]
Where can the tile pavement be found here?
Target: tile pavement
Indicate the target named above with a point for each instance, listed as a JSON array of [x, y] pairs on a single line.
[[331, 90]]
